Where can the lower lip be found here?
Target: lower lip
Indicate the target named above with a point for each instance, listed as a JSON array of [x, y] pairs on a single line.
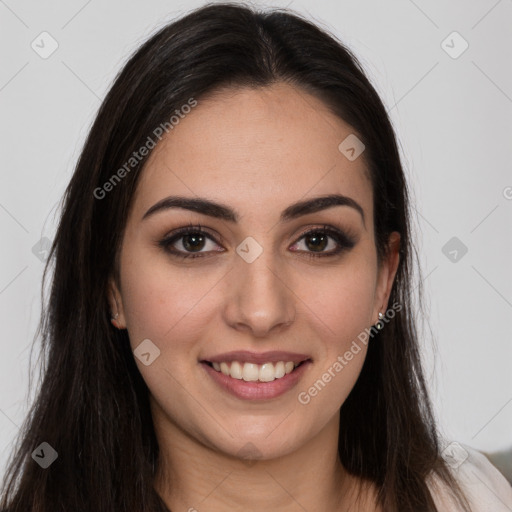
[[257, 390]]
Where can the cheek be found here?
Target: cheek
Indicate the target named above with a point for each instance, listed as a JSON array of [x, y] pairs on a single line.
[[159, 298], [169, 306], [177, 307], [341, 307], [342, 301], [164, 301]]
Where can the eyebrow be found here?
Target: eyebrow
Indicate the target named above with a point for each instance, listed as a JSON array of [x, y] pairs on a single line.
[[221, 211]]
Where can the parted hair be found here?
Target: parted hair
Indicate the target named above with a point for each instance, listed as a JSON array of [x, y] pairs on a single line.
[[92, 404]]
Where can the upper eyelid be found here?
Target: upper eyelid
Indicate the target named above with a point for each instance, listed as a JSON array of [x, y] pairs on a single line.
[[180, 232]]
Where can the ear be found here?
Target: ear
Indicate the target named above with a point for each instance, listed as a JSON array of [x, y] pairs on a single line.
[[386, 276], [116, 304]]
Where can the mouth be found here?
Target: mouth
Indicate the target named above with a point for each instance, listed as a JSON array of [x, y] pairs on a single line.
[[253, 376], [252, 372]]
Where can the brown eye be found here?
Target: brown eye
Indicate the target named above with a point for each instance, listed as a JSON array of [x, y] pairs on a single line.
[[318, 239], [189, 242], [192, 240]]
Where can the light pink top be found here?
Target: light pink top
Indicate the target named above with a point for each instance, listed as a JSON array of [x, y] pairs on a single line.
[[487, 490]]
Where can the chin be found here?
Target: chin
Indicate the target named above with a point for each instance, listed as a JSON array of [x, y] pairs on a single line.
[[269, 441]]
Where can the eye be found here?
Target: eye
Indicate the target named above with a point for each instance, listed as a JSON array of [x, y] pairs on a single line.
[[316, 240], [192, 242], [187, 242]]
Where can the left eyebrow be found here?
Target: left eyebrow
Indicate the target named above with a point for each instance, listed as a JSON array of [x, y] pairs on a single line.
[[221, 211]]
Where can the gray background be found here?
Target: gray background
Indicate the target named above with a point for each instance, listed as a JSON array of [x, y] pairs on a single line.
[[452, 117]]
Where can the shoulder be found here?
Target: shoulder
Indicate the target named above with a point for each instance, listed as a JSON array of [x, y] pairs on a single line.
[[486, 488]]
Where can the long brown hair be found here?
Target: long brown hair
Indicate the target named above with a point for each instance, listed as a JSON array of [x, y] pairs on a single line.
[[92, 404]]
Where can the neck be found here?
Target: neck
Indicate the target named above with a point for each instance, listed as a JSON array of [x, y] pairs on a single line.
[[191, 476]]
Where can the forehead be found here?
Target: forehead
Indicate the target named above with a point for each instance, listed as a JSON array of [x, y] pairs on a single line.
[[257, 149]]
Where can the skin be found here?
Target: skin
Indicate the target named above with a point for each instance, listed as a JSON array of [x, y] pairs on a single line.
[[258, 151]]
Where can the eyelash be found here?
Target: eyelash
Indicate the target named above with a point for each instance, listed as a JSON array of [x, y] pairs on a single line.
[[344, 241]]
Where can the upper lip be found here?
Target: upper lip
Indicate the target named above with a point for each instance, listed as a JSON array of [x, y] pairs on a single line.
[[258, 358]]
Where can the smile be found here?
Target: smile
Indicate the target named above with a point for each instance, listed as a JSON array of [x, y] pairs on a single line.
[[251, 372], [256, 376]]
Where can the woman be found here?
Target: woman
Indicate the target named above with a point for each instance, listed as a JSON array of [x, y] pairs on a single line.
[[230, 321]]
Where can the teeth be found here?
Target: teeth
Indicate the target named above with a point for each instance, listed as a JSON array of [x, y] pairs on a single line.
[[236, 370], [280, 370], [224, 368], [251, 372], [267, 372]]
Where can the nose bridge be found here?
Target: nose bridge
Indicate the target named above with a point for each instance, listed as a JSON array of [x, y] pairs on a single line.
[[259, 299]]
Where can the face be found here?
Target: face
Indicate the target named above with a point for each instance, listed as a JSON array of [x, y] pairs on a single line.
[[243, 310]]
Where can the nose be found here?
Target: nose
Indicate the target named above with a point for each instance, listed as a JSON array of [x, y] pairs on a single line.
[[259, 299]]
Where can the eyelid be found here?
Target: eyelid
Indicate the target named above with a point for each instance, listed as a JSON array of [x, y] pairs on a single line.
[[195, 228], [346, 235], [345, 240]]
